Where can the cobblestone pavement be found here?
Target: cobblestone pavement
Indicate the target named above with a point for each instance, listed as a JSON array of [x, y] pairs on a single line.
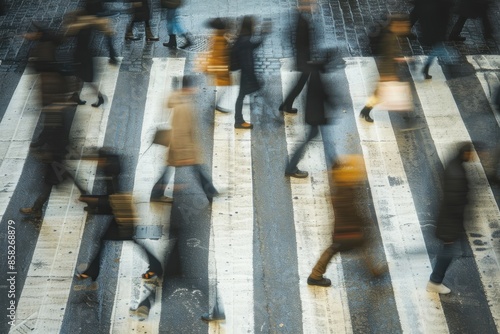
[[343, 24]]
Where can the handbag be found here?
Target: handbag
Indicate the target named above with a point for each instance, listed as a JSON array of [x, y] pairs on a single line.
[[162, 137], [171, 4], [395, 96]]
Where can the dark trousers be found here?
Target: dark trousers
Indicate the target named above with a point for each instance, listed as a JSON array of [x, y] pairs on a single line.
[[113, 233], [297, 155], [205, 180], [443, 260], [238, 108], [287, 104], [457, 28]]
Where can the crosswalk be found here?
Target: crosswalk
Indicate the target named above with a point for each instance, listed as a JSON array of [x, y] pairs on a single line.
[[238, 258]]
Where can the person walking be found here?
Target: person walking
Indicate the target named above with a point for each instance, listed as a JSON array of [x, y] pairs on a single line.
[[242, 52], [434, 24], [450, 222], [348, 176], [174, 26], [387, 62], [218, 61], [302, 54], [183, 149], [314, 117], [471, 9], [141, 13]]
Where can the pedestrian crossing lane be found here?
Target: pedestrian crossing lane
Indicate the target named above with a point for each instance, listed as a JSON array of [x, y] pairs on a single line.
[[231, 235], [44, 296], [418, 310], [447, 129], [323, 310]]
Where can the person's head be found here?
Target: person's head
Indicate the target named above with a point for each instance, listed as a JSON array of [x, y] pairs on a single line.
[[399, 24], [247, 26]]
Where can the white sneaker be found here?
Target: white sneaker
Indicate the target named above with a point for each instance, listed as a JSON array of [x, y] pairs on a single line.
[[438, 288]]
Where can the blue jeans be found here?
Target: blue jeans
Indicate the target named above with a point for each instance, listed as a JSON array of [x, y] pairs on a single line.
[[173, 23], [444, 258], [438, 50]]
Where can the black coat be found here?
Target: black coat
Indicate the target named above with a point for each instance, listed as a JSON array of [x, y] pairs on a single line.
[[83, 54], [450, 223], [473, 8], [244, 49], [302, 44], [143, 12], [315, 100], [434, 19]]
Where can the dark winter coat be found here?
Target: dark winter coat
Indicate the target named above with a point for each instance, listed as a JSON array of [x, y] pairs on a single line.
[[244, 49], [434, 20], [473, 8], [315, 101], [302, 44], [142, 13], [450, 223], [83, 54]]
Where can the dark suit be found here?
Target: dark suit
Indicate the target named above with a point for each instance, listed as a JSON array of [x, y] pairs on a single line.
[[472, 9], [302, 57]]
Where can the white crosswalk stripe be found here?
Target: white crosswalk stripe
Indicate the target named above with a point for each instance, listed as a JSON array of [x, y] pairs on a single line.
[[45, 293]]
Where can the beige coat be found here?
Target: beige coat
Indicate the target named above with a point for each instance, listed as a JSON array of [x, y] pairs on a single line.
[[183, 149]]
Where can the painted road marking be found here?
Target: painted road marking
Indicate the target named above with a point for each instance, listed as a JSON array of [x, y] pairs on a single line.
[[447, 129], [418, 310]]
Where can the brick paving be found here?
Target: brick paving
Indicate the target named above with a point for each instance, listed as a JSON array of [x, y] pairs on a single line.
[[343, 24]]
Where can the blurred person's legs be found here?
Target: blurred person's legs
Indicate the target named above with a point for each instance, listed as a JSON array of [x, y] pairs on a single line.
[[291, 168], [206, 182], [286, 106], [158, 192], [149, 33], [36, 209], [175, 28], [487, 28], [372, 102], [155, 269], [438, 50], [129, 35], [220, 92], [443, 260], [316, 276], [239, 121]]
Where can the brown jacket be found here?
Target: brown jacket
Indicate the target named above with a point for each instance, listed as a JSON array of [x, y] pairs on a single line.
[[183, 149], [218, 60]]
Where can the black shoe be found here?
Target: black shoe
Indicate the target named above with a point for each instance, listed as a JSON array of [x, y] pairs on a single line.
[[457, 38], [100, 100], [172, 42], [76, 98], [131, 37], [325, 282], [299, 174], [290, 110], [113, 61], [365, 113], [189, 41]]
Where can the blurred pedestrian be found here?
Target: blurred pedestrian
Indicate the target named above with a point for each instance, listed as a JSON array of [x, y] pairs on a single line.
[[302, 54], [141, 11], [472, 9], [218, 61], [387, 62], [348, 176], [314, 117], [83, 27], [450, 222], [54, 138], [434, 23], [96, 8], [242, 51], [3, 11], [174, 26], [184, 148]]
